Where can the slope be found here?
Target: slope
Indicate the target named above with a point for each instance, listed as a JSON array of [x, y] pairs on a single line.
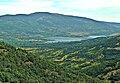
[[19, 66], [98, 57], [36, 26]]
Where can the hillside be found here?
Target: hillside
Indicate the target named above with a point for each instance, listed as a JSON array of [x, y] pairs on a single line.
[[19, 66], [96, 60], [98, 57], [36, 27]]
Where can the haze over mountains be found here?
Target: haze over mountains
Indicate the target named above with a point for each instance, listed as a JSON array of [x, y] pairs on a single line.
[[37, 26], [46, 23]]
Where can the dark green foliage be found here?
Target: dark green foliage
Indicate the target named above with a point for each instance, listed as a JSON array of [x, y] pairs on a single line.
[[71, 62], [98, 57], [19, 66]]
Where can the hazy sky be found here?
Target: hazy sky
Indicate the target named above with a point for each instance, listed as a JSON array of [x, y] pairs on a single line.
[[105, 10]]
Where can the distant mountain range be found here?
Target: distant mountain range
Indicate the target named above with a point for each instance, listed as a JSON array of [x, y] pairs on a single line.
[[37, 61], [52, 24], [37, 26]]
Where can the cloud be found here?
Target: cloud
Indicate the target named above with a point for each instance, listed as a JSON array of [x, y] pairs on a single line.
[[96, 9], [90, 4], [28, 6], [32, 3]]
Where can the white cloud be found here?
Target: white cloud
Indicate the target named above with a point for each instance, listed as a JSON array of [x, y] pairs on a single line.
[[88, 8], [28, 6], [32, 3], [90, 4]]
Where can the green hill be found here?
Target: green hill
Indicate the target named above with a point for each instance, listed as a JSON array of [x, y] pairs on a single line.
[[35, 27], [89, 61], [98, 57], [19, 66]]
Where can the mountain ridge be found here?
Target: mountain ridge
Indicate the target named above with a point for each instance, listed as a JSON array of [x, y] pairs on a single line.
[[59, 14], [38, 26]]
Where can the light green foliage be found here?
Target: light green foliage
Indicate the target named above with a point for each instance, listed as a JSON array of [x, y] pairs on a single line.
[[98, 57]]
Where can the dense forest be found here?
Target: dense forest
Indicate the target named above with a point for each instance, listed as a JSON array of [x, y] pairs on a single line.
[[20, 66], [27, 55], [98, 57]]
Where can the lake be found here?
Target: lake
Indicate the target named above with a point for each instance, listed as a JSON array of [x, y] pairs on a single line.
[[70, 39]]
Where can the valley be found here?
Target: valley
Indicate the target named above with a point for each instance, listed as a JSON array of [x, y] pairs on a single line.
[[41, 27], [45, 47], [99, 57]]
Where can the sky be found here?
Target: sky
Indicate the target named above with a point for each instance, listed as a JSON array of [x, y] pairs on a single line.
[[102, 10]]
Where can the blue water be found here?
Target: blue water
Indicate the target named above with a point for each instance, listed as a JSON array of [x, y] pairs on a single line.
[[70, 39]]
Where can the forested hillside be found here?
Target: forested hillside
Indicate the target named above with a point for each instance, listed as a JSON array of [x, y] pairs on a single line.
[[19, 66], [35, 59], [98, 57], [35, 27]]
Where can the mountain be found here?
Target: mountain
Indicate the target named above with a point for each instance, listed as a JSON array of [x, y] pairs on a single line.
[[88, 61], [99, 57], [19, 66], [38, 26]]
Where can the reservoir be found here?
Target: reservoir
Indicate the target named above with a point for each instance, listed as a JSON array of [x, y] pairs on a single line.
[[70, 39]]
